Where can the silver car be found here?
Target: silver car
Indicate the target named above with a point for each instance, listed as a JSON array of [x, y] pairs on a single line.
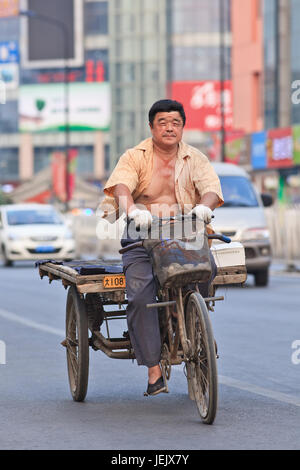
[[242, 218]]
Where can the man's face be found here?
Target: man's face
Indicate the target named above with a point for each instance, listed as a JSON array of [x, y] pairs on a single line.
[[167, 128]]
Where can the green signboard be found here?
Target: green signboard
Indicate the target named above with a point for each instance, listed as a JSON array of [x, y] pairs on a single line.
[[296, 142], [42, 108]]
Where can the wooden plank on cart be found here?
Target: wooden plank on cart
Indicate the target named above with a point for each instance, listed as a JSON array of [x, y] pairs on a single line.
[[92, 283], [230, 275]]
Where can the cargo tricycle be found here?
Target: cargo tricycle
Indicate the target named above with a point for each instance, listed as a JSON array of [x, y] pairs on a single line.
[[97, 295]]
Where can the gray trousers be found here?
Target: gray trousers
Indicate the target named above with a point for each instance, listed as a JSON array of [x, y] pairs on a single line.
[[143, 323]]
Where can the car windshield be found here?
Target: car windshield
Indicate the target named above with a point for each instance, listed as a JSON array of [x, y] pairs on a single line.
[[33, 216], [238, 192]]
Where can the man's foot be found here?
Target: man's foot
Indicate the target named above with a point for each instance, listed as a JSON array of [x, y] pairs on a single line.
[[158, 387], [154, 373]]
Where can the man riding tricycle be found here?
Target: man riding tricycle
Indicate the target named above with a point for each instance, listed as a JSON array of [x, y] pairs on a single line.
[[167, 191]]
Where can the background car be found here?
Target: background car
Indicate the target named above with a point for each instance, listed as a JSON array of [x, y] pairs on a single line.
[[242, 218], [32, 232]]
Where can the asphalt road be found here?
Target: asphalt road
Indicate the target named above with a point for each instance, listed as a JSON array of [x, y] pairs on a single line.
[[259, 371]]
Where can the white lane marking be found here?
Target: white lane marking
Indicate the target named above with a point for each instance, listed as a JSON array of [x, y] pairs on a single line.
[[30, 323], [284, 397], [229, 381]]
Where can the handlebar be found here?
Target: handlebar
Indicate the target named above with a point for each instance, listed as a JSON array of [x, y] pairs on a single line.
[[213, 236]]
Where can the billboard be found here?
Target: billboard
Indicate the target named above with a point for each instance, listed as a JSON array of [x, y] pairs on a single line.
[[201, 101], [54, 35], [58, 164], [9, 8], [258, 150], [9, 74], [280, 148], [42, 107], [9, 52], [9, 64], [296, 141], [237, 148]]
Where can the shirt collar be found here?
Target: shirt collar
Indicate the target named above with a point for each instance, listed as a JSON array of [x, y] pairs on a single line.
[[183, 151]]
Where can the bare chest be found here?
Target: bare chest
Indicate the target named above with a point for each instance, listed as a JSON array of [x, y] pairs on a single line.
[[162, 179]]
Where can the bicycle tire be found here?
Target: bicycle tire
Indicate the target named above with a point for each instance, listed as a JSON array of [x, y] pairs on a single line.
[[202, 366], [77, 343]]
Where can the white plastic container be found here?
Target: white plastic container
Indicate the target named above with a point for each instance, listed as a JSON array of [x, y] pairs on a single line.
[[226, 255]]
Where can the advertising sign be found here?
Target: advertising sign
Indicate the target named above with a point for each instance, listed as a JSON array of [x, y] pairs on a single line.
[[9, 8], [202, 103], [9, 52], [296, 142], [9, 74], [258, 150], [59, 174], [280, 148], [48, 44], [235, 147], [42, 107]]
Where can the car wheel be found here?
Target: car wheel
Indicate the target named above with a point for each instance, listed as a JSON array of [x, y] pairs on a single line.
[[261, 278], [6, 261]]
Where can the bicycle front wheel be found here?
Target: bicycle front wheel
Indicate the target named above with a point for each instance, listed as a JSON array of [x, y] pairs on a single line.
[[202, 365]]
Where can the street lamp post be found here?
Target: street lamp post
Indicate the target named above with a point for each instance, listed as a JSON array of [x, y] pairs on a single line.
[[62, 27], [222, 78]]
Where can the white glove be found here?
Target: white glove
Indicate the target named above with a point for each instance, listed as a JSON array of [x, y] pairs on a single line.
[[142, 218], [202, 212]]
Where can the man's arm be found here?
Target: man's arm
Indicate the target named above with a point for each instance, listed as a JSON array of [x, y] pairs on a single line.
[[142, 218], [210, 200], [123, 197]]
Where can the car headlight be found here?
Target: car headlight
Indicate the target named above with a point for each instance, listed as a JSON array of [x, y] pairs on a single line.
[[255, 234], [14, 237], [68, 235]]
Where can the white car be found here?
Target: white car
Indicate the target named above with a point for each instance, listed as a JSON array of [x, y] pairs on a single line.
[[33, 232]]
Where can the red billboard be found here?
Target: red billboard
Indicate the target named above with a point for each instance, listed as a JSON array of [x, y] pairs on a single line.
[[202, 103], [280, 148], [59, 174]]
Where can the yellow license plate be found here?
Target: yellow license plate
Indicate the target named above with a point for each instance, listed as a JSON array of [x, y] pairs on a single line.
[[112, 282]]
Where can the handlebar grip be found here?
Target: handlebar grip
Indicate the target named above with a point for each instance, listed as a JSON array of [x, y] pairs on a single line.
[[226, 239], [219, 236]]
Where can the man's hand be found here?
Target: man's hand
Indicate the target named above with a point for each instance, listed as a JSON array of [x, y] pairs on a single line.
[[142, 218], [202, 212]]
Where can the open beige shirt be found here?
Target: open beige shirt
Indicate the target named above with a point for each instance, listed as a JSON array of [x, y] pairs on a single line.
[[194, 176]]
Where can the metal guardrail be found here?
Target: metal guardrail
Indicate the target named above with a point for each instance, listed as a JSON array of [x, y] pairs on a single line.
[[284, 226]]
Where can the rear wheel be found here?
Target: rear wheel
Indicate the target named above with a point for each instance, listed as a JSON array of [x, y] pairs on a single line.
[[77, 344], [261, 278], [202, 366]]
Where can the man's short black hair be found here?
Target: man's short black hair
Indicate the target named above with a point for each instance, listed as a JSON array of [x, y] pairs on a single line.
[[162, 106]]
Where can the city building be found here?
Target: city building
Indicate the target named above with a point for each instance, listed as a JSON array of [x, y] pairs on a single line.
[[24, 153], [232, 64]]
